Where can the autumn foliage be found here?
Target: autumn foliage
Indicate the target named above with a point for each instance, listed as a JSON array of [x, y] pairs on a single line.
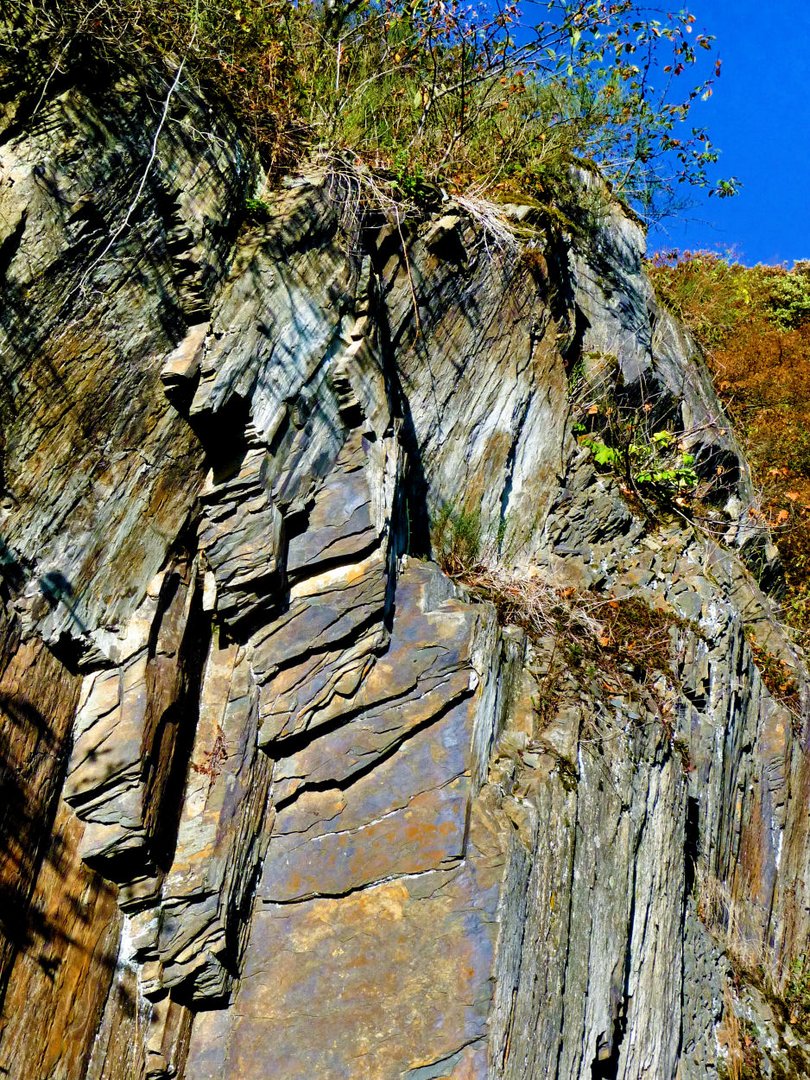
[[754, 325]]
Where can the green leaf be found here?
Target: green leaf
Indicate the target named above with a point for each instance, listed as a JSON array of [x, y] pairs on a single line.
[[602, 454]]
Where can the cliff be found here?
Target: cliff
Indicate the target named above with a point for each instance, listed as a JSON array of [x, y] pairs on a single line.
[[357, 720]]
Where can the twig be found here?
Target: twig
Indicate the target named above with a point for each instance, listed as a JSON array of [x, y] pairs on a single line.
[[416, 319], [488, 217], [82, 23], [144, 176]]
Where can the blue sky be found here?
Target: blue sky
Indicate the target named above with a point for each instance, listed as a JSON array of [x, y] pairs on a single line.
[[759, 116]]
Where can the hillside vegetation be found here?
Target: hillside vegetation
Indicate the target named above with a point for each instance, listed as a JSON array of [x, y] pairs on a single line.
[[492, 98], [754, 325]]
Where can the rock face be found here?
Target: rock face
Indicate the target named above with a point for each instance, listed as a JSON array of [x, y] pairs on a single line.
[[282, 799]]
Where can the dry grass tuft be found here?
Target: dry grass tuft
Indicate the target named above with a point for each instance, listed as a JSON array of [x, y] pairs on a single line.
[[498, 234], [619, 642]]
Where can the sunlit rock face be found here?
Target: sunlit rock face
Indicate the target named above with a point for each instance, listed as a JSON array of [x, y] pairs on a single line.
[[280, 798]]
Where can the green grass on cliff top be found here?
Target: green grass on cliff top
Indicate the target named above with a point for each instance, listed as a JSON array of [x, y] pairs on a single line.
[[493, 98]]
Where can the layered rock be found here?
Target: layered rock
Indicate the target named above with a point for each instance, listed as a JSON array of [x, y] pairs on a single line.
[[284, 799]]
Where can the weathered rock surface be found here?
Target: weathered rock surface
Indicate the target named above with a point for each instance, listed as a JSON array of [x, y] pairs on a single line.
[[282, 800]]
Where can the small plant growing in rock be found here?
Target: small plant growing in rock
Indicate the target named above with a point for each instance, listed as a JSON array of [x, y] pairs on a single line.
[[797, 993], [658, 465], [616, 643], [738, 1038], [257, 210], [662, 462], [634, 439], [777, 674], [456, 539], [214, 758], [409, 179]]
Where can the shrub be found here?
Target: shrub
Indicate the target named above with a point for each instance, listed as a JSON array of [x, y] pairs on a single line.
[[753, 324], [708, 291], [789, 300], [658, 465], [636, 438], [456, 540], [715, 296], [464, 96]]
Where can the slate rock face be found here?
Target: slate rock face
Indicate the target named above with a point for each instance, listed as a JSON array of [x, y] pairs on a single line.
[[282, 799]]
